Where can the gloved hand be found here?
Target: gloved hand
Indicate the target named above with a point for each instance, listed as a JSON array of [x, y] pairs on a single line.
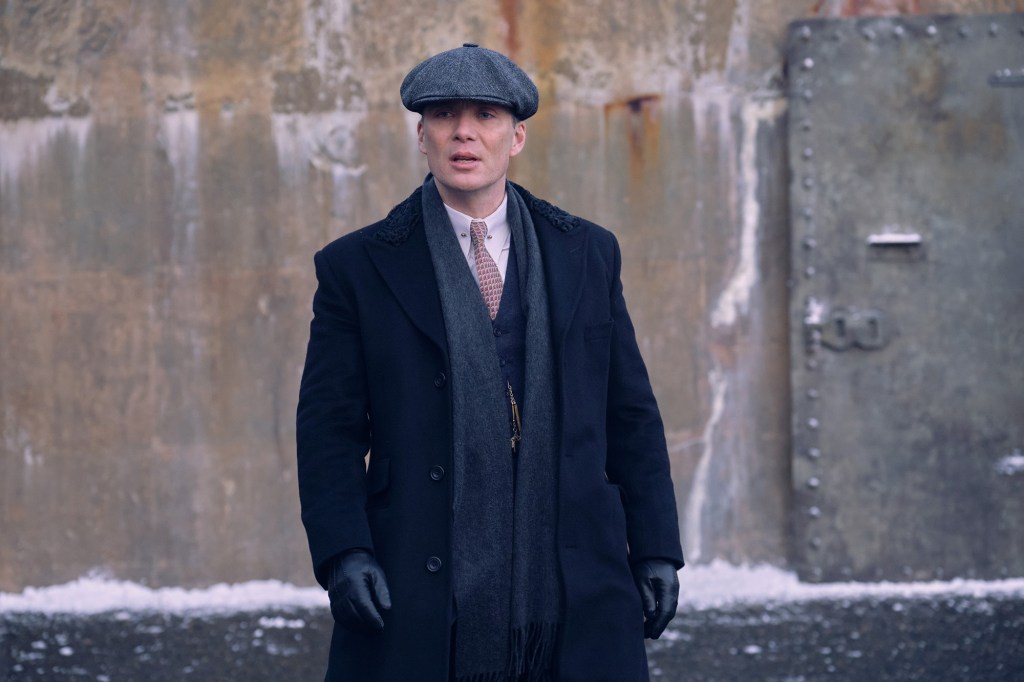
[[357, 589], [659, 592]]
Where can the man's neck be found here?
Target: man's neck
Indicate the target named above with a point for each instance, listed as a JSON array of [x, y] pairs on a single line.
[[474, 204]]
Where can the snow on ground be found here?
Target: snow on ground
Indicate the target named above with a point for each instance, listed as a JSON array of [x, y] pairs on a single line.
[[721, 584], [96, 595], [711, 586]]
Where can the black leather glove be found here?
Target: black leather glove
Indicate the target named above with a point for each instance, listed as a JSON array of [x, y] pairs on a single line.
[[357, 589], [658, 583]]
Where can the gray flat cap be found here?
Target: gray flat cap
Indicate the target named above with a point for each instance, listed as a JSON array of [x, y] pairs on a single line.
[[474, 73]]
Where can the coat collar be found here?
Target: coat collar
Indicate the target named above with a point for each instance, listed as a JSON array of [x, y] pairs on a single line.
[[402, 219], [398, 247]]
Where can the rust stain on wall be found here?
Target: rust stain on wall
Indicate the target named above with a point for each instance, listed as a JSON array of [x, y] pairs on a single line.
[[510, 13], [641, 126]]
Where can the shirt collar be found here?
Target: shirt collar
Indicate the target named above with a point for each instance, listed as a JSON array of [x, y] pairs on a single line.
[[497, 222]]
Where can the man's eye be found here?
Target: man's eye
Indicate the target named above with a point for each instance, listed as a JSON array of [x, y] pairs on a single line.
[[487, 114]]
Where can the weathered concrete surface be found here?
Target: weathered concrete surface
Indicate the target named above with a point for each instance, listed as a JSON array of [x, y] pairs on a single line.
[[933, 638], [168, 169]]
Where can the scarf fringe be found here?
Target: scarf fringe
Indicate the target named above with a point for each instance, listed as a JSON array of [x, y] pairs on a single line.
[[531, 656], [532, 650], [483, 677]]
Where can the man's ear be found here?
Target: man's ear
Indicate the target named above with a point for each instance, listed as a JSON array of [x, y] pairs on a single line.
[[519, 139], [419, 135]]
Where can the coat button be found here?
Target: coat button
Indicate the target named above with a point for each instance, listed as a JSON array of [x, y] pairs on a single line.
[[439, 379], [433, 564], [437, 472]]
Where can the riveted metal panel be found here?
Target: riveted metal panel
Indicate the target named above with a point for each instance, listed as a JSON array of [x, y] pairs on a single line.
[[907, 310]]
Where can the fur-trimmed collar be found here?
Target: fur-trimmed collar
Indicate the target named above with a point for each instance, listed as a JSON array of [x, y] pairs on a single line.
[[398, 224]]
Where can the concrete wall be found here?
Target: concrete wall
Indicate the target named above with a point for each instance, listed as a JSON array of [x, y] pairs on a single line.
[[168, 169]]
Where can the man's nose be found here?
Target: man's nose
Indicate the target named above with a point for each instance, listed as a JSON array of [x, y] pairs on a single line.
[[465, 127]]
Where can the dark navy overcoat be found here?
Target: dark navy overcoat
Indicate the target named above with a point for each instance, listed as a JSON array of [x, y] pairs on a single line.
[[376, 380]]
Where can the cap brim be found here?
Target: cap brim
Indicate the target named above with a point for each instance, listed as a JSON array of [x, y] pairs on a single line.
[[420, 104]]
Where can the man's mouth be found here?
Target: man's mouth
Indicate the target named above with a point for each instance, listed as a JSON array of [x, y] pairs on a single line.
[[464, 158]]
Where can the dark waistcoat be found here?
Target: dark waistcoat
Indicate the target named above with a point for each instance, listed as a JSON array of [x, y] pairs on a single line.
[[510, 334]]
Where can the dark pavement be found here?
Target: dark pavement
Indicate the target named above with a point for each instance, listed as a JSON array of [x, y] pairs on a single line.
[[944, 637]]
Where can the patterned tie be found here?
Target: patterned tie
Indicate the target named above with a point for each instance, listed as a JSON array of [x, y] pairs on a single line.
[[486, 270]]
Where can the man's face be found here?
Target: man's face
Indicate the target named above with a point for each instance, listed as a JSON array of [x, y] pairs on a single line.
[[468, 147]]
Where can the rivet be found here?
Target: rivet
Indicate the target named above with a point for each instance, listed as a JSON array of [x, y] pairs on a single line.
[[808, 64], [963, 32], [837, 36], [808, 212], [812, 363], [814, 453], [868, 34], [805, 125], [808, 95], [812, 424], [809, 271], [808, 152], [898, 31], [993, 29], [805, 33], [932, 30], [816, 573], [812, 393], [815, 543], [814, 512], [808, 182], [810, 242]]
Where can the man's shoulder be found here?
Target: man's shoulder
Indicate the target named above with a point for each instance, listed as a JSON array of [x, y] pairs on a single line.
[[394, 228], [559, 218]]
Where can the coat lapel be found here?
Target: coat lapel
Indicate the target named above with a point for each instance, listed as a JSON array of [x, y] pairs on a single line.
[[564, 254], [408, 272]]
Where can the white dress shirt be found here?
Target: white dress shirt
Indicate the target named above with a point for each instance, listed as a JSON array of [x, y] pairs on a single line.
[[498, 239]]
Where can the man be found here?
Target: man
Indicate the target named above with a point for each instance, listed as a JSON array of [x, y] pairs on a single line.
[[516, 520]]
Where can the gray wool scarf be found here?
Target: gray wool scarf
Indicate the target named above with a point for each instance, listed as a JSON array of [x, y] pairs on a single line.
[[507, 586]]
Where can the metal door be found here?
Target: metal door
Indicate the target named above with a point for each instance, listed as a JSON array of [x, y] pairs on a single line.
[[906, 146]]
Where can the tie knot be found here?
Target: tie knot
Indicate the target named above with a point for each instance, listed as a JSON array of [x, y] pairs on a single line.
[[477, 230]]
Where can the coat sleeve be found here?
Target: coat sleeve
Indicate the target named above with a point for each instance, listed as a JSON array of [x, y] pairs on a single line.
[[332, 425], [637, 452]]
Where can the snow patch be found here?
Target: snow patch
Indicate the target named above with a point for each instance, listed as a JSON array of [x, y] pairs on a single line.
[[279, 623], [97, 595], [720, 584], [715, 585], [814, 313], [1011, 465]]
